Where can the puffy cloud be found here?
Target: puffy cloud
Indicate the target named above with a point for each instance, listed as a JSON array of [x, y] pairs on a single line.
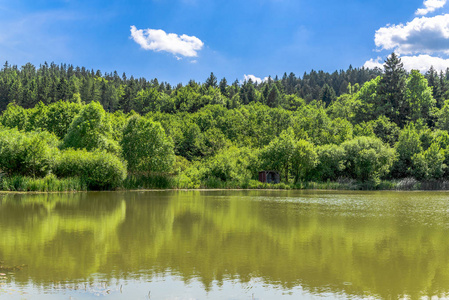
[[430, 6], [415, 40], [421, 62], [374, 63], [421, 35], [158, 40], [254, 78], [424, 62]]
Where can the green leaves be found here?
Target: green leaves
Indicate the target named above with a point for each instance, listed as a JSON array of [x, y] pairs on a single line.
[[91, 129], [145, 146], [367, 158], [99, 169], [289, 156], [30, 154]]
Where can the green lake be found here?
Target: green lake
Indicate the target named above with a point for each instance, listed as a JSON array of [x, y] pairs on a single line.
[[224, 245]]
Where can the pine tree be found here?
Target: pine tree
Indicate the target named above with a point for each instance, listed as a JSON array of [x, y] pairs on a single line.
[[211, 81], [327, 94], [392, 89], [274, 97], [223, 85], [434, 82]]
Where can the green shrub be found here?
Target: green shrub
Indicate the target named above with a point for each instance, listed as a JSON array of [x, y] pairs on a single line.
[[99, 169], [91, 129], [27, 154], [368, 158], [14, 116], [146, 147]]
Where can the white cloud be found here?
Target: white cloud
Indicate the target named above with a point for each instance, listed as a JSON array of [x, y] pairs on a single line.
[[424, 62], [421, 62], [421, 35], [430, 6], [158, 40], [254, 78], [417, 40], [374, 63]]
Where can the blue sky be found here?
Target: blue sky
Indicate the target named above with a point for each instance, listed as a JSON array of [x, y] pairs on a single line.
[[178, 40]]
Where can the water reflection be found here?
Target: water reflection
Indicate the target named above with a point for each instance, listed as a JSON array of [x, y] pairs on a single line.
[[357, 244]]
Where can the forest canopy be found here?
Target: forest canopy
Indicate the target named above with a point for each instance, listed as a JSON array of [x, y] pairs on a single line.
[[111, 131]]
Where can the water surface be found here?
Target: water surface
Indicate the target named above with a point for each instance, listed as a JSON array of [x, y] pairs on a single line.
[[224, 245]]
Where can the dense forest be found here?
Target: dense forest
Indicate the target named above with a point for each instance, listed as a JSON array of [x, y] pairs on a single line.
[[65, 127]]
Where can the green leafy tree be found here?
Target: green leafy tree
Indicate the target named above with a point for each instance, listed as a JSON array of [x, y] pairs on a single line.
[[443, 117], [60, 115], [386, 130], [331, 162], [368, 158], [279, 153], [15, 116], [418, 95], [429, 164], [28, 154], [370, 104], [408, 145], [304, 159], [91, 129], [146, 147]]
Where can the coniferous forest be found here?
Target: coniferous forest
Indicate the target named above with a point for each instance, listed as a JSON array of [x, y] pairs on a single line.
[[70, 128]]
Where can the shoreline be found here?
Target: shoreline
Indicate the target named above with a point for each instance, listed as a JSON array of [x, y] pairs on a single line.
[[222, 190]]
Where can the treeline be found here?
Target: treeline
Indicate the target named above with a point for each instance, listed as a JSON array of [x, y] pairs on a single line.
[[28, 85], [393, 126]]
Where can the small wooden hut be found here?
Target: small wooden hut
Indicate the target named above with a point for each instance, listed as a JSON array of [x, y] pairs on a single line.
[[269, 177]]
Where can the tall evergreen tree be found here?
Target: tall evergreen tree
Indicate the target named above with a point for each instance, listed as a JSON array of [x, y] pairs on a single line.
[[211, 81], [223, 85], [435, 83], [392, 89], [274, 97], [327, 94]]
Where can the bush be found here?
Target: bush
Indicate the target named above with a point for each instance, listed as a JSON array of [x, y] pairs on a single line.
[[146, 147], [99, 169], [331, 162], [368, 158], [91, 129], [27, 154]]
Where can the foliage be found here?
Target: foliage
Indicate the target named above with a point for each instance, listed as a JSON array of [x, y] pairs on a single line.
[[368, 158], [27, 154], [408, 145], [331, 162], [419, 100], [14, 116], [429, 164], [99, 169], [339, 126], [146, 147], [238, 164], [91, 129], [49, 183]]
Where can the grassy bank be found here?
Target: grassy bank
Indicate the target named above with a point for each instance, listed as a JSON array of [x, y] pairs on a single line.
[[51, 183]]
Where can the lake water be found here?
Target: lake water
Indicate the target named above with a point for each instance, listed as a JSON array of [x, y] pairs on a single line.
[[224, 245]]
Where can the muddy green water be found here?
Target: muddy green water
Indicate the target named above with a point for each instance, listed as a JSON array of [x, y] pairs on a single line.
[[224, 245]]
